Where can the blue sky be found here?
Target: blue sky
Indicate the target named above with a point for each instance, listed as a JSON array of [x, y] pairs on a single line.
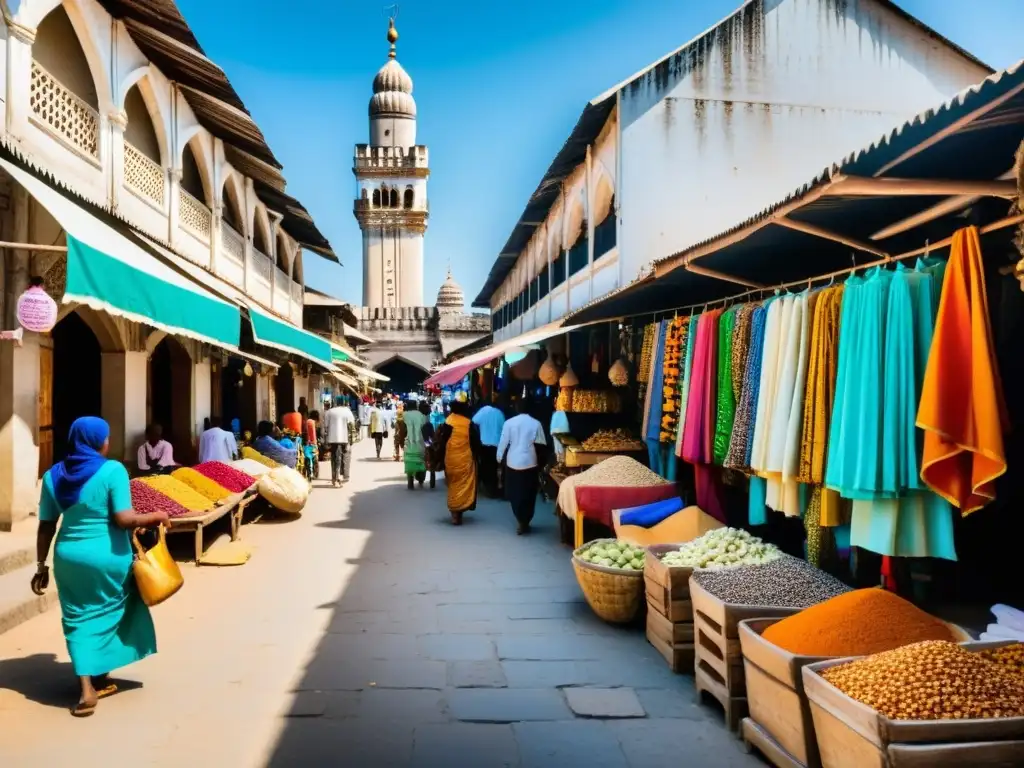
[[498, 87]]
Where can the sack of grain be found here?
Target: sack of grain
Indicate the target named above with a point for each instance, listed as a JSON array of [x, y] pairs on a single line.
[[285, 489]]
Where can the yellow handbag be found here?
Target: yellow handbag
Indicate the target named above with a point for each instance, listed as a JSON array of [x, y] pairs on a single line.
[[156, 573]]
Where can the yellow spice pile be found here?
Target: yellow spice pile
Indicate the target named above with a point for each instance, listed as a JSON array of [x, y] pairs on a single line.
[[933, 680], [1011, 656]]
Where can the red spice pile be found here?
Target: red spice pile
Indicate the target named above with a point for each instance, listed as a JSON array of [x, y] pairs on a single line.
[[146, 500], [235, 480]]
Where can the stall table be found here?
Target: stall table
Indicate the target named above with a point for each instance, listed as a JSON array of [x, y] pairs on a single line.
[[233, 505]]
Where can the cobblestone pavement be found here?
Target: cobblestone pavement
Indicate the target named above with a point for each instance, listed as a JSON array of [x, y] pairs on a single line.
[[373, 633]]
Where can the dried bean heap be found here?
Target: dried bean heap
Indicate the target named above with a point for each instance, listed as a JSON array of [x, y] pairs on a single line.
[[147, 500], [189, 498], [786, 581], [933, 680], [619, 471], [1011, 656], [201, 484]]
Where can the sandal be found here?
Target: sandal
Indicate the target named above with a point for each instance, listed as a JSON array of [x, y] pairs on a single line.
[[81, 709]]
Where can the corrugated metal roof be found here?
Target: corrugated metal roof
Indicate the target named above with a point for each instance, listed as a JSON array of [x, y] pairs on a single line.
[[164, 37], [587, 130]]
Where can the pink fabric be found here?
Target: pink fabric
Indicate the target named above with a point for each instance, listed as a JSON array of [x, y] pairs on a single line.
[[710, 494], [597, 502], [698, 433]]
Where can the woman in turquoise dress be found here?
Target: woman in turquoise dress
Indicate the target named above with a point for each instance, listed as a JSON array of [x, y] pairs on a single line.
[[106, 624]]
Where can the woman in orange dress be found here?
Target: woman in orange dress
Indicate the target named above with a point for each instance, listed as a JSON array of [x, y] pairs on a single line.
[[461, 446]]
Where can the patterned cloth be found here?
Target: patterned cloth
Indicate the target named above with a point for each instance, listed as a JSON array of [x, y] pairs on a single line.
[[726, 401], [738, 456]]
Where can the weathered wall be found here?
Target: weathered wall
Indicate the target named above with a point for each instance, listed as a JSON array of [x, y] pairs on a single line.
[[739, 119]]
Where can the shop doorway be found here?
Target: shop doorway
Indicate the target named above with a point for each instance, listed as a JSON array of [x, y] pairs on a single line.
[[170, 395], [405, 376], [238, 396], [73, 366], [284, 391]]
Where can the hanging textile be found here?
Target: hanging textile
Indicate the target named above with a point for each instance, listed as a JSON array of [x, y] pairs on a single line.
[[675, 337], [738, 456], [788, 414], [653, 388], [740, 350], [684, 384], [766, 389], [962, 410], [652, 428], [726, 400]]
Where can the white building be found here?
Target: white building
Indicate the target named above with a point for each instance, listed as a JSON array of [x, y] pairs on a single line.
[[157, 216], [709, 135], [392, 209]]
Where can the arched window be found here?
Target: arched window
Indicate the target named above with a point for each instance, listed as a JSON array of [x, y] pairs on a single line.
[[376, 197], [364, 195], [59, 52], [394, 198], [283, 253], [232, 210], [191, 176], [409, 197], [140, 132], [259, 238], [385, 196]]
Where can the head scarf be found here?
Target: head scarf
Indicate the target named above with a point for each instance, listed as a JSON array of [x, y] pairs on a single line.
[[83, 459]]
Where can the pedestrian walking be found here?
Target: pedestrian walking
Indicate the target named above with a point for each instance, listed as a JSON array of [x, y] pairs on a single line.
[[520, 448], [378, 426], [341, 428], [411, 430], [460, 446], [106, 624], [430, 452], [490, 421]]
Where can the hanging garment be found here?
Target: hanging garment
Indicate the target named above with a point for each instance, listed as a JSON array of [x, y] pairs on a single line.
[[766, 389], [652, 413], [854, 465], [726, 401], [695, 406], [757, 512], [740, 349], [743, 421], [786, 376], [790, 491], [675, 337], [684, 384], [962, 409]]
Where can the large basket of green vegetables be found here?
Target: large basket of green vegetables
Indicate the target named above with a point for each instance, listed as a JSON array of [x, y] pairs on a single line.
[[611, 574]]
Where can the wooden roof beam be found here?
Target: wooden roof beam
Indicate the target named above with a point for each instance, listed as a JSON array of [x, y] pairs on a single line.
[[889, 187], [816, 231], [715, 274]]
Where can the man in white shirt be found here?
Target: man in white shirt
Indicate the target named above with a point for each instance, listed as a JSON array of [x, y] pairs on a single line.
[[522, 439], [216, 443], [340, 427], [156, 455], [491, 421]]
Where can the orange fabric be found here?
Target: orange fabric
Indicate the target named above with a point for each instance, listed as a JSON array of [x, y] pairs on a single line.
[[962, 411]]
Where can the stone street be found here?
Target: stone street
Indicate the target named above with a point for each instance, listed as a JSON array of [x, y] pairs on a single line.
[[371, 632]]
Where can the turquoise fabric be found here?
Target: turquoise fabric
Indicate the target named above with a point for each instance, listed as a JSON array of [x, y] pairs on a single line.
[[757, 511], [106, 624], [93, 276], [281, 335]]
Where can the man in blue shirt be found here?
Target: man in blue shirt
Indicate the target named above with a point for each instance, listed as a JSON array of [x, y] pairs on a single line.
[[490, 421], [271, 448]]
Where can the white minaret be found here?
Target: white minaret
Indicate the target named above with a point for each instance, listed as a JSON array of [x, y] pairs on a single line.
[[391, 203]]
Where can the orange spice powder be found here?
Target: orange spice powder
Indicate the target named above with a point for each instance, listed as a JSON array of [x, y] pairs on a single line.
[[856, 623]]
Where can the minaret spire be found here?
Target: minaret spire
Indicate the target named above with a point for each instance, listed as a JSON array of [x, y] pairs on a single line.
[[392, 37]]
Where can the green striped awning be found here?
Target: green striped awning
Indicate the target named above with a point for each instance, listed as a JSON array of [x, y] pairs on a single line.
[[109, 272], [271, 332]]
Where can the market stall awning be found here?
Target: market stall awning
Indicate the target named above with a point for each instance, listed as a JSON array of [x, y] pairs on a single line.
[[271, 332], [110, 273], [359, 370], [454, 372], [348, 381]]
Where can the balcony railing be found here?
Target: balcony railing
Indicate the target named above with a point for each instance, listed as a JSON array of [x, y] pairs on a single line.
[[282, 292], [263, 266], [604, 236], [144, 175], [296, 294], [232, 243], [62, 111], [194, 216]]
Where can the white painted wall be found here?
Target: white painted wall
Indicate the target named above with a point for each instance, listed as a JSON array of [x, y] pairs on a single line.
[[716, 134]]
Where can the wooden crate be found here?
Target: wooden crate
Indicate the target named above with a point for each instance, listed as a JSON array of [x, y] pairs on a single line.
[[668, 589], [775, 696], [673, 610], [852, 735], [671, 632], [734, 707], [756, 737], [724, 618]]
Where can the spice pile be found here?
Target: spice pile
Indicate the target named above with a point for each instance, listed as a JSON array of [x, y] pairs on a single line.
[[722, 548], [785, 581], [856, 623], [254, 455], [933, 680], [147, 500], [612, 440], [170, 486], [225, 476], [619, 472], [201, 484], [1011, 656], [250, 467]]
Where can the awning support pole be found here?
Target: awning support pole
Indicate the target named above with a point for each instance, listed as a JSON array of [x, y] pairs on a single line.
[[722, 276], [34, 247], [816, 231]]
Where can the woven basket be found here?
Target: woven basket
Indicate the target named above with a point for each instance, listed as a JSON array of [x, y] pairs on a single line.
[[615, 595]]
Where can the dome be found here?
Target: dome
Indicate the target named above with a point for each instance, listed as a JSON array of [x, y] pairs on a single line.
[[450, 299], [392, 86]]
